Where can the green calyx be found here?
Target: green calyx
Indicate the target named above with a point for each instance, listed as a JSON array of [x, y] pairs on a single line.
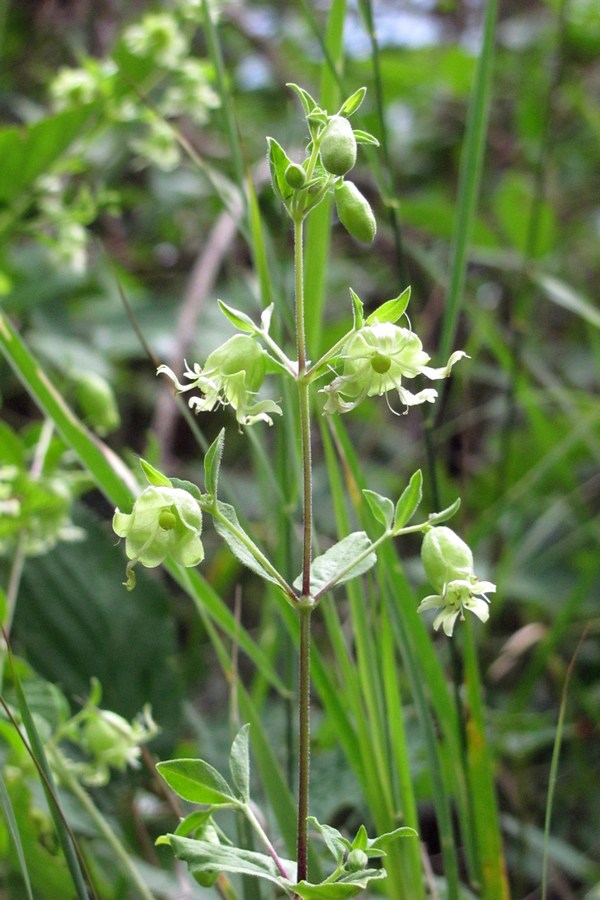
[[355, 212], [338, 146], [445, 557]]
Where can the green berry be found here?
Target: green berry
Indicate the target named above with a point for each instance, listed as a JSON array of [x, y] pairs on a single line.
[[295, 176], [355, 212], [338, 146], [445, 557]]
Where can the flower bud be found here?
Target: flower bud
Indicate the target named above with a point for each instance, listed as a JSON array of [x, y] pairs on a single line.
[[357, 860], [295, 176], [111, 739], [355, 212], [445, 557], [338, 146]]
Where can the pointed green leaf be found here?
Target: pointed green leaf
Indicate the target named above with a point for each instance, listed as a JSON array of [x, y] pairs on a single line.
[[335, 842], [238, 318], [383, 840], [278, 163], [357, 310], [212, 463], [409, 501], [307, 101], [239, 762], [381, 507], [197, 819], [197, 781], [337, 565], [444, 514], [353, 102], [365, 137], [391, 310], [238, 541], [153, 476], [361, 840]]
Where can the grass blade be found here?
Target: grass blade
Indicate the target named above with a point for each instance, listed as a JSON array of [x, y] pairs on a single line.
[[16, 837], [470, 178]]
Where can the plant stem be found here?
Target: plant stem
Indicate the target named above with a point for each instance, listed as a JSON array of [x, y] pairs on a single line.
[[305, 610], [303, 743]]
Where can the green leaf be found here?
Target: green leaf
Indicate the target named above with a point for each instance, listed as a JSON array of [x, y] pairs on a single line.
[[305, 98], [444, 514], [238, 318], [236, 544], [391, 310], [365, 137], [202, 857], [27, 152], [348, 886], [197, 781], [353, 102], [361, 840], [357, 310], [336, 565], [198, 819], [13, 828], [378, 843], [278, 163], [212, 463], [381, 507], [153, 476], [239, 762], [335, 842], [409, 501], [188, 486]]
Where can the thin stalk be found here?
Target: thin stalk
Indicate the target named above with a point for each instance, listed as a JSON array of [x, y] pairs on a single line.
[[305, 611], [303, 744]]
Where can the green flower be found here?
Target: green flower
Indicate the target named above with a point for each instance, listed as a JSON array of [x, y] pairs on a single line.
[[164, 521], [232, 376], [448, 563], [376, 359]]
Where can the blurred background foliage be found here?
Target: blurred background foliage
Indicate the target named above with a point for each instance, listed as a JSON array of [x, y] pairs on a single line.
[[117, 178]]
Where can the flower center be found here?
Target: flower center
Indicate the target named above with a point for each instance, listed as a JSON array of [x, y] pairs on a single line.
[[380, 363], [167, 520]]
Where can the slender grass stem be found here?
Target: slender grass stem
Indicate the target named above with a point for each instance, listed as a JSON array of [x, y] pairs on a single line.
[[107, 832]]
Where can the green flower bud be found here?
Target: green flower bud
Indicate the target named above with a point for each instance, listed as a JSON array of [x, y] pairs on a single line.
[[338, 146], [111, 738], [445, 557], [357, 860], [355, 212], [295, 176], [97, 401]]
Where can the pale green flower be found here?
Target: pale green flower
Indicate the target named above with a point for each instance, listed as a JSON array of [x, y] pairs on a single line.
[[376, 359], [164, 521], [232, 376], [448, 564]]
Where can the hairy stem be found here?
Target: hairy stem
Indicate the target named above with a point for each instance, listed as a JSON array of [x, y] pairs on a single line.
[[303, 743], [305, 611]]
